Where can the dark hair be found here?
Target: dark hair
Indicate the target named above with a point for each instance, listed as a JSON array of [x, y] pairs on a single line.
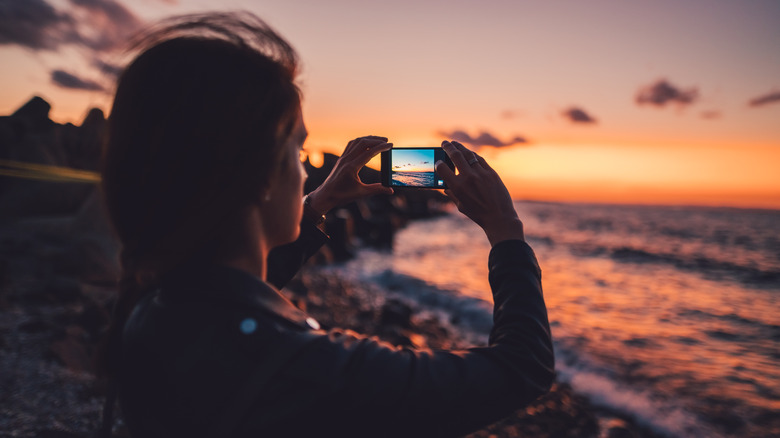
[[196, 132]]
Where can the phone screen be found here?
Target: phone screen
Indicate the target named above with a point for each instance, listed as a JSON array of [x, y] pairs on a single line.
[[413, 167]]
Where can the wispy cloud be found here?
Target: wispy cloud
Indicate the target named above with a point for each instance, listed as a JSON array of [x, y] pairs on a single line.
[[578, 115], [64, 79], [104, 24], [765, 99], [483, 139], [661, 93], [36, 25], [711, 114], [95, 27], [98, 25]]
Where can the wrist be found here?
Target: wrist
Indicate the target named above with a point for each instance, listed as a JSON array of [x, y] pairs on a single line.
[[312, 214], [319, 203], [511, 229]]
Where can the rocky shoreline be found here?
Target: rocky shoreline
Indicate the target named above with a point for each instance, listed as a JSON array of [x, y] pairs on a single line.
[[57, 283], [49, 330]]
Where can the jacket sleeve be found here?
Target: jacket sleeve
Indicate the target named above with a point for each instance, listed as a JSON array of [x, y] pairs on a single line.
[[357, 386], [285, 261]]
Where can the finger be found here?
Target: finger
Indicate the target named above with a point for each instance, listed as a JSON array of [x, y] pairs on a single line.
[[362, 144], [455, 155], [467, 153], [369, 137], [445, 173], [371, 151]]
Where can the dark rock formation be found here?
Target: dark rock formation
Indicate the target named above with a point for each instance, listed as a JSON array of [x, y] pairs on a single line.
[[29, 136]]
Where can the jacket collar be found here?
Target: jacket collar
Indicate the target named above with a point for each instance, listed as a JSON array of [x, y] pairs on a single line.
[[225, 284]]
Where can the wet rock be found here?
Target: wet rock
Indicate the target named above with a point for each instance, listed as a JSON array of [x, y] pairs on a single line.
[[616, 428], [35, 324], [54, 289], [396, 313], [54, 433]]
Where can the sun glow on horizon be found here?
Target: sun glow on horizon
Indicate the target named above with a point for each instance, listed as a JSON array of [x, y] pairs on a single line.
[[704, 131]]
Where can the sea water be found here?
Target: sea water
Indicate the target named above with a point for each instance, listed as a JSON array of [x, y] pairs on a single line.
[[667, 314]]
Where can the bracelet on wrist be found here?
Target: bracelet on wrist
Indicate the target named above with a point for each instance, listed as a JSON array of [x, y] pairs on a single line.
[[310, 213]]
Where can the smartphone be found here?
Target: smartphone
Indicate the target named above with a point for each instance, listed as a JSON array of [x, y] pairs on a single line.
[[414, 167]]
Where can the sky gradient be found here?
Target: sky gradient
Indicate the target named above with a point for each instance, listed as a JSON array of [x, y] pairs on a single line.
[[606, 101]]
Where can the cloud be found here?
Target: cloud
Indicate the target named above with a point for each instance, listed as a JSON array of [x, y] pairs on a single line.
[[662, 92], [103, 25], [98, 25], [766, 99], [67, 80], [483, 139], [35, 24], [578, 115], [710, 114]]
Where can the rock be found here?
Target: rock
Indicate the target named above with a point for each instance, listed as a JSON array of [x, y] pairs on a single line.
[[396, 313], [59, 289], [35, 112], [83, 144], [616, 428], [29, 136]]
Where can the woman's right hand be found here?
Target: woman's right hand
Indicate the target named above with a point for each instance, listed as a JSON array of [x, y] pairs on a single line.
[[480, 194]]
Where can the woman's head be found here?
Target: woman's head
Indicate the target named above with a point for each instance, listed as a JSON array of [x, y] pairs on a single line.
[[197, 133], [205, 126]]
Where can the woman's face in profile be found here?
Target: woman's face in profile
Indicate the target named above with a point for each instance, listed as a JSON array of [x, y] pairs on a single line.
[[283, 210]]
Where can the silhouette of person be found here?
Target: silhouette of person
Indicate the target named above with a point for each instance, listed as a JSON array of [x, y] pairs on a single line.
[[204, 187]]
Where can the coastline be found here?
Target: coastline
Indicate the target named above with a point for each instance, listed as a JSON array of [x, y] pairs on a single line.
[[58, 267], [49, 336], [337, 302]]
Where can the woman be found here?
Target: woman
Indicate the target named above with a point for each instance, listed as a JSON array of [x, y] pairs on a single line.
[[202, 179]]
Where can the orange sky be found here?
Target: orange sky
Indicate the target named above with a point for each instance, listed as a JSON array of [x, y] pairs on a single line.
[[418, 71]]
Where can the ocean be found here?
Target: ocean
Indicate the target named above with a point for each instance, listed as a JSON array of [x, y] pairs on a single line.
[[424, 179], [667, 314]]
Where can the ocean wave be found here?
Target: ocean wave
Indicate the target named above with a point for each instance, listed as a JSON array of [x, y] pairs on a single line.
[[756, 329], [711, 268], [659, 413]]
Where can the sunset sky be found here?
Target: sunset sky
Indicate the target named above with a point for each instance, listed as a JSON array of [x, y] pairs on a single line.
[[671, 102]]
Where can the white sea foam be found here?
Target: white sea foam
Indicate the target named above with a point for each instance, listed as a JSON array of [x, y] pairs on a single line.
[[632, 285], [649, 409]]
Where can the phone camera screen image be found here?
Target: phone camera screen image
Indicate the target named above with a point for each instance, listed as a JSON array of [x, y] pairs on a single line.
[[413, 167]]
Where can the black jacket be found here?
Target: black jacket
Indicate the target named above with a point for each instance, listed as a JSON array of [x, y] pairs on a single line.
[[217, 352]]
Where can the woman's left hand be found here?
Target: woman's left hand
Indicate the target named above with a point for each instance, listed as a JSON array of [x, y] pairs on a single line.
[[343, 185]]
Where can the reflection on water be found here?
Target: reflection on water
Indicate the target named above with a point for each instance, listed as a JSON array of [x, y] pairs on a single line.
[[670, 313]]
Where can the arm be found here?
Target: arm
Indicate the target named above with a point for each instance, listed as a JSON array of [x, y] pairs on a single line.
[[285, 261], [356, 386], [350, 385], [342, 186]]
